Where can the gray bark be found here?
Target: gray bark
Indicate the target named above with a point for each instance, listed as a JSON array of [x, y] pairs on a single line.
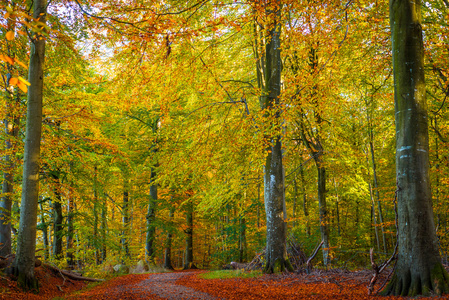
[[419, 269], [274, 194], [26, 241]]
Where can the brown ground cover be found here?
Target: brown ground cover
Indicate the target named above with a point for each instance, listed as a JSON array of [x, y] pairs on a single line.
[[332, 284]]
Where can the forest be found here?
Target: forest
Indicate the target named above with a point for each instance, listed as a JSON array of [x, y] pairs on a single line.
[[193, 133]]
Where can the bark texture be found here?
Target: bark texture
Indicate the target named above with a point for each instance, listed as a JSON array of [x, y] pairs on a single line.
[[419, 270], [26, 242], [274, 193]]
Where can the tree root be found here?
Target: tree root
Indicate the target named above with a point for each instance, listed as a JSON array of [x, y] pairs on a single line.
[[404, 284]]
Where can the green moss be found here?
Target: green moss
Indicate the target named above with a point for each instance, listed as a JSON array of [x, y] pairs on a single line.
[[440, 280], [28, 283]]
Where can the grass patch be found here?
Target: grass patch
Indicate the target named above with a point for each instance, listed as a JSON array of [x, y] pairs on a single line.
[[226, 274]]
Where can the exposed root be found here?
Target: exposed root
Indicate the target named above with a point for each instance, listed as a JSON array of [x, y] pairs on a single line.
[[408, 285]]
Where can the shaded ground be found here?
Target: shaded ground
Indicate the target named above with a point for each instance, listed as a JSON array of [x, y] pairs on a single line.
[[334, 284]]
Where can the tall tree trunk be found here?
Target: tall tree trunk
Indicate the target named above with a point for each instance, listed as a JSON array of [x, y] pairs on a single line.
[[151, 218], [26, 242], [269, 67], [418, 270]]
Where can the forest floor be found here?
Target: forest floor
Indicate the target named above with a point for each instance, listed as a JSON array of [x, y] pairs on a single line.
[[331, 284]]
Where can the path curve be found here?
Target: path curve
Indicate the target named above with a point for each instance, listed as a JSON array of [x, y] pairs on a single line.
[[164, 286]]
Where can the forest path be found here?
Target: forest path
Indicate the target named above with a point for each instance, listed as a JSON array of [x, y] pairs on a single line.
[[146, 286], [164, 285]]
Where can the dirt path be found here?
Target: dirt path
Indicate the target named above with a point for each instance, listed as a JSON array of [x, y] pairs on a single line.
[[146, 286], [164, 285]]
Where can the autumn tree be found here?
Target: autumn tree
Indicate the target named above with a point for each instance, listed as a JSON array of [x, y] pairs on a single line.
[[419, 269], [26, 242], [274, 193]]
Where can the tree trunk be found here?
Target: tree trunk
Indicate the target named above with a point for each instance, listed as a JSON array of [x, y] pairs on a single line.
[[151, 218], [242, 239], [188, 263], [324, 226], [57, 220], [125, 224], [26, 241], [419, 270], [274, 193]]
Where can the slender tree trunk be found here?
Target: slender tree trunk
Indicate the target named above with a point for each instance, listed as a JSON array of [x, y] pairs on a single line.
[[418, 270], [125, 223], [57, 220], [242, 239], [151, 218], [26, 242], [324, 226]]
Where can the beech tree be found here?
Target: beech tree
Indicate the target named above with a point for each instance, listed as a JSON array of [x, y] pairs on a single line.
[[274, 193], [419, 269], [23, 266]]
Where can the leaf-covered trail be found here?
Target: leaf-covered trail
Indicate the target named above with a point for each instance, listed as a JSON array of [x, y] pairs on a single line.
[[187, 285]]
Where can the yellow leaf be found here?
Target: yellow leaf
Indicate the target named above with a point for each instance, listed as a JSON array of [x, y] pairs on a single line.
[[13, 81], [22, 86], [10, 35], [24, 81]]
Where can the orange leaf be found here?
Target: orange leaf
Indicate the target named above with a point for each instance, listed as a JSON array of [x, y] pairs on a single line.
[[21, 63], [10, 35], [13, 81], [22, 86]]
